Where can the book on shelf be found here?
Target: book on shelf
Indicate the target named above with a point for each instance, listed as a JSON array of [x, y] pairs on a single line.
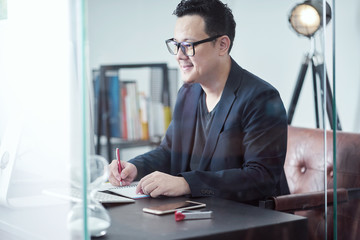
[[132, 110], [124, 126], [138, 99], [128, 114], [113, 99], [144, 120], [114, 105]]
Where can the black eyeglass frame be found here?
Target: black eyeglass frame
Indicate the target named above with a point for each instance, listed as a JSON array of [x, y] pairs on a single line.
[[193, 44]]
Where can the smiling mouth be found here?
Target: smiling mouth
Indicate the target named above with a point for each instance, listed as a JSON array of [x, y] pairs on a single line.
[[186, 66]]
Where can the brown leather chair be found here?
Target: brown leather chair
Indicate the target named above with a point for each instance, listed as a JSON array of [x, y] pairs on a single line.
[[304, 168]]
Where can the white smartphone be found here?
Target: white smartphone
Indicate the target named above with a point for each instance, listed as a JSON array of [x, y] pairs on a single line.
[[172, 207]]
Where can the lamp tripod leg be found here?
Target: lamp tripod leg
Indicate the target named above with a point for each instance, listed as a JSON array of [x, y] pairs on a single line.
[[315, 93], [297, 90], [329, 96]]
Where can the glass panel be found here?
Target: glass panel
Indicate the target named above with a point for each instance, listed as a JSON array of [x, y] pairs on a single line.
[[87, 218], [78, 214], [335, 122], [271, 49], [322, 64], [38, 95], [325, 94], [346, 56]]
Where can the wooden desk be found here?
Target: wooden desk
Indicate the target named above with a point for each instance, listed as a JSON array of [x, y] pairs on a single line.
[[35, 223], [231, 220]]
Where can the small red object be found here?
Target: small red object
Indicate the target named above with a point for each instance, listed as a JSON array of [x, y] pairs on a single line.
[[179, 216], [190, 215]]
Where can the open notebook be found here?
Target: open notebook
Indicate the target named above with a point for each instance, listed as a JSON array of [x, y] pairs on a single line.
[[75, 195], [125, 194], [126, 191]]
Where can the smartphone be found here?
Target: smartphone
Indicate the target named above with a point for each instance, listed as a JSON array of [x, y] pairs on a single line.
[[172, 207]]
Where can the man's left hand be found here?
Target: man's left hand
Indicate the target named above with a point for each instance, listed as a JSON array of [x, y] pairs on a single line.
[[158, 183]]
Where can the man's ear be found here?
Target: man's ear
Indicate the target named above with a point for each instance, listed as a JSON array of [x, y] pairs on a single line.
[[224, 45]]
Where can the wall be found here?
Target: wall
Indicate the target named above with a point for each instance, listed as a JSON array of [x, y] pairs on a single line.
[[35, 84], [134, 31]]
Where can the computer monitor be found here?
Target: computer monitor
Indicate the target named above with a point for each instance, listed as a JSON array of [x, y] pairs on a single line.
[[8, 150], [34, 153], [40, 136]]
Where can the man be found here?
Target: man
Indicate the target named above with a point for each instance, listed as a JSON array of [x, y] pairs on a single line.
[[228, 135]]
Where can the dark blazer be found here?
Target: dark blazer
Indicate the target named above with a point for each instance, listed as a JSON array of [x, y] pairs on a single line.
[[245, 151]]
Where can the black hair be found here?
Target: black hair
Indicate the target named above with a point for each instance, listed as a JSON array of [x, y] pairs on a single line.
[[217, 16]]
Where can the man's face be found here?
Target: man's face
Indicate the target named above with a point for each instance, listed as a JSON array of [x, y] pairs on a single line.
[[198, 68]]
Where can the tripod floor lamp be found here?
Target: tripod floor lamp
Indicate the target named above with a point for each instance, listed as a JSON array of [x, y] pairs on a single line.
[[306, 20]]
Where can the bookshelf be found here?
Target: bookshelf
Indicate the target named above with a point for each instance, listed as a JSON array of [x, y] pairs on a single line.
[[133, 105]]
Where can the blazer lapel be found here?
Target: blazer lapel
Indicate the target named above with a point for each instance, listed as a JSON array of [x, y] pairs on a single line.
[[188, 122], [223, 109]]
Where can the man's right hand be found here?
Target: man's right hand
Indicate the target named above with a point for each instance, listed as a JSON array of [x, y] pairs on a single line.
[[128, 173]]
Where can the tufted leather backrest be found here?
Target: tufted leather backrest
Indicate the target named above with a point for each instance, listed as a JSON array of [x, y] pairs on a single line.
[[304, 169]]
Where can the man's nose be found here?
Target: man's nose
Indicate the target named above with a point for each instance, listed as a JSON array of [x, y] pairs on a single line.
[[180, 54]]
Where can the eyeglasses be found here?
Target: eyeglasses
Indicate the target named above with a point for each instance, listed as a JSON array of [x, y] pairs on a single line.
[[188, 48]]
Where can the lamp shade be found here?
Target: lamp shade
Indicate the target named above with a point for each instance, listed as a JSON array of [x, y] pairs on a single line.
[[306, 18]]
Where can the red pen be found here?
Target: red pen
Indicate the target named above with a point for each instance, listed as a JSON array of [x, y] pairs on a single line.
[[119, 163]]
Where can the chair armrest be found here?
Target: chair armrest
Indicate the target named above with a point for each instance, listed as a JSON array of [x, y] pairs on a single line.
[[303, 201], [353, 193]]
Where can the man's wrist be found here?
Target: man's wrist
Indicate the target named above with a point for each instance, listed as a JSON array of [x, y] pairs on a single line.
[[186, 187]]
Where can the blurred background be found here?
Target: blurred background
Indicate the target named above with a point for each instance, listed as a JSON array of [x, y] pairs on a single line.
[[134, 32]]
